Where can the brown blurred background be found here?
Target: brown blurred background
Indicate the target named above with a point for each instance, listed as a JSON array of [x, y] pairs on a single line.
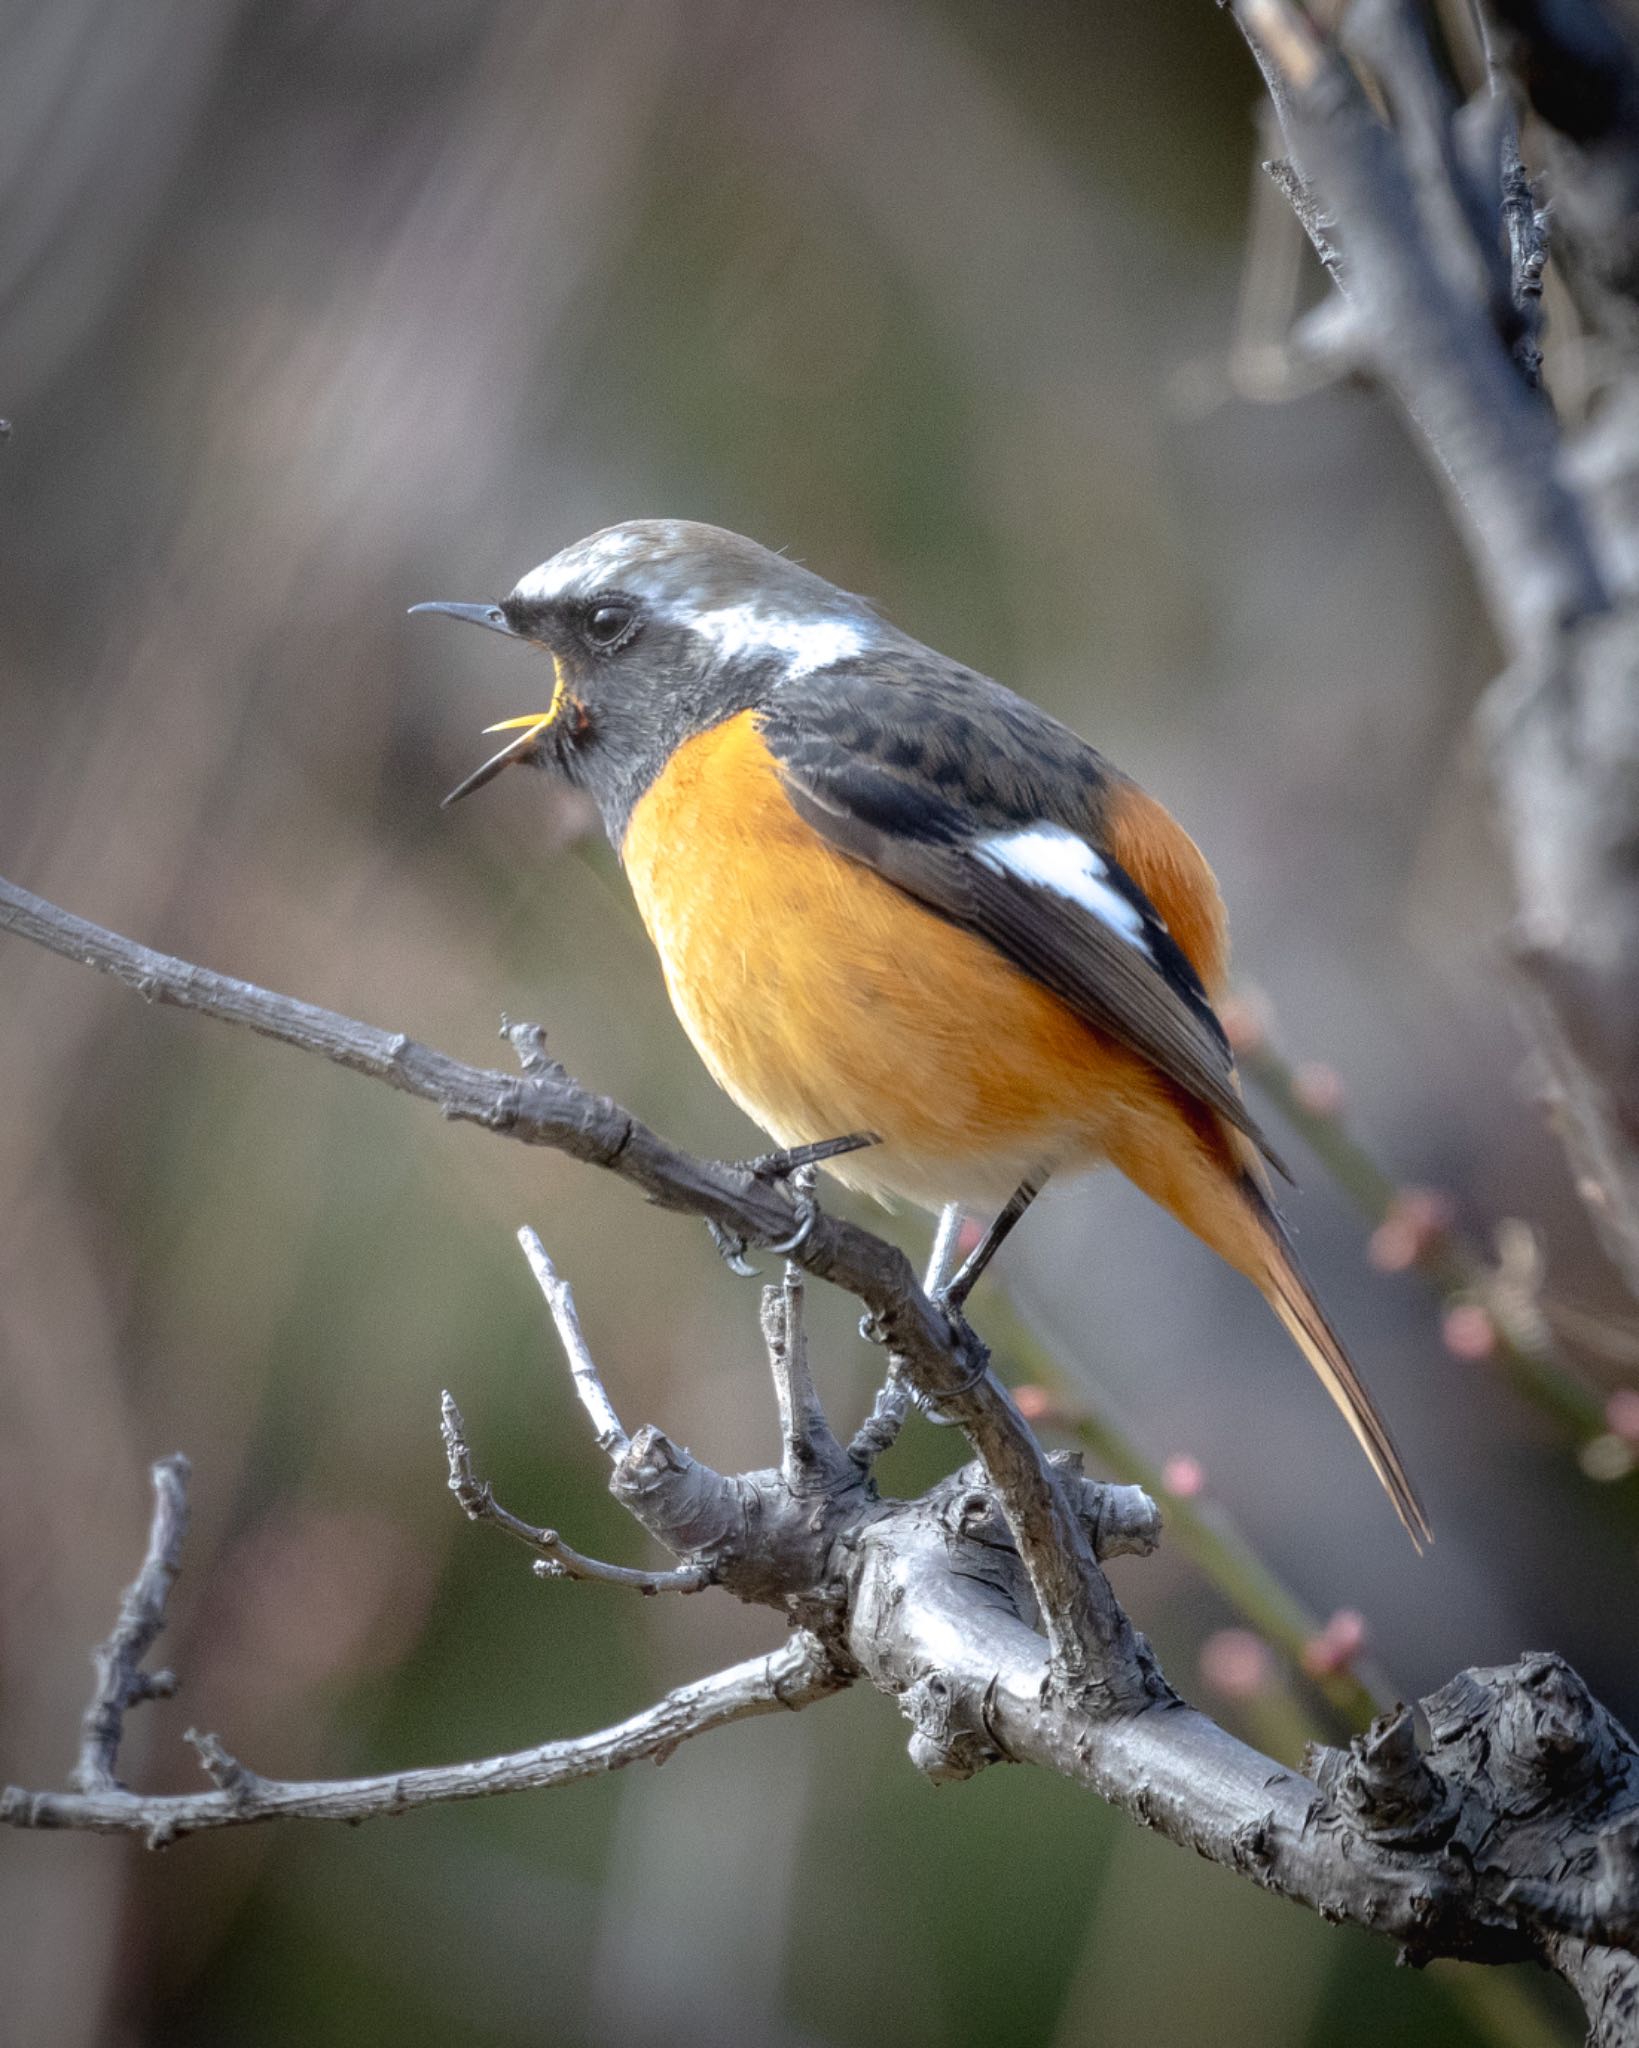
[[312, 310]]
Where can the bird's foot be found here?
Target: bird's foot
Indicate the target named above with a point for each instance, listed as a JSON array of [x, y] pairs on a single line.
[[784, 1165], [971, 1349], [732, 1249]]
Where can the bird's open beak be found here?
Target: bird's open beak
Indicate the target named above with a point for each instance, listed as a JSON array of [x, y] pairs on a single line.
[[528, 729]]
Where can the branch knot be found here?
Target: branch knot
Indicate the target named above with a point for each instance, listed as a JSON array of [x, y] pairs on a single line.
[[1384, 1787], [951, 1739]]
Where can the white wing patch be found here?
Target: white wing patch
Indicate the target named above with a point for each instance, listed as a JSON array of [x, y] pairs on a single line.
[[747, 630], [1051, 857]]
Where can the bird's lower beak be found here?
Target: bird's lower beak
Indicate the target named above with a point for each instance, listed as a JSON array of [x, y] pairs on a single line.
[[490, 615], [526, 732]]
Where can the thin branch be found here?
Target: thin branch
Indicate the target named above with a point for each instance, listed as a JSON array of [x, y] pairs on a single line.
[[797, 1674], [594, 1396], [1295, 190], [811, 1459], [557, 1559], [121, 1681], [562, 1561]]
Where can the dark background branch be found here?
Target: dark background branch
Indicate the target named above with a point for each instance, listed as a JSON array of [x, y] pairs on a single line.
[[1562, 725]]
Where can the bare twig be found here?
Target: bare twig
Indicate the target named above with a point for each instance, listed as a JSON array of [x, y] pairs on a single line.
[[121, 1681], [800, 1672], [562, 1561], [594, 1397], [1294, 189], [811, 1459], [557, 1559]]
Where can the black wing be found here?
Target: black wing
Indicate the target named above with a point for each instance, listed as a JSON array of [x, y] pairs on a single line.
[[930, 795]]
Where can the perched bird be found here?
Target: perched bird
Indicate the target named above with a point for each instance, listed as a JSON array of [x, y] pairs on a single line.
[[891, 897]]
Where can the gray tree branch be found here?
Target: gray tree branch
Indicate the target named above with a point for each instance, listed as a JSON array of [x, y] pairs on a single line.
[[121, 1681], [789, 1678], [1512, 1837]]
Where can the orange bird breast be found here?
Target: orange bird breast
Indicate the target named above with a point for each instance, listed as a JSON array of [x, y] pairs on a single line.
[[825, 1000]]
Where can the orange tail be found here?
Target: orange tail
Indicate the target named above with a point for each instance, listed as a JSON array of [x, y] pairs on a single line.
[[1212, 1184], [1290, 1296]]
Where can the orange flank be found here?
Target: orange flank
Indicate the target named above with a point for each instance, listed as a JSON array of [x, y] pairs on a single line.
[[824, 999]]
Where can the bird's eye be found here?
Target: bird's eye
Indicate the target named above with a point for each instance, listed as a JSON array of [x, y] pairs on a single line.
[[608, 624]]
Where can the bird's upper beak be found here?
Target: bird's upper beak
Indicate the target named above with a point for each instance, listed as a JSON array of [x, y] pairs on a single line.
[[527, 730], [490, 615]]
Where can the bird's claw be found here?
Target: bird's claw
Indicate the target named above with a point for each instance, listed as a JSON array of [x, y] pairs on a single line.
[[732, 1245], [808, 1214], [732, 1249], [969, 1346], [774, 1167]]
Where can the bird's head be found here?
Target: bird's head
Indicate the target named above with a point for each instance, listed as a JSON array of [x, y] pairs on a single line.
[[655, 630]]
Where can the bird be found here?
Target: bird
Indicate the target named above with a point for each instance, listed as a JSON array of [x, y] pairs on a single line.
[[915, 926]]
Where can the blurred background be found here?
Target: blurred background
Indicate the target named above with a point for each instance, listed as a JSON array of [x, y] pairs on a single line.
[[312, 310]]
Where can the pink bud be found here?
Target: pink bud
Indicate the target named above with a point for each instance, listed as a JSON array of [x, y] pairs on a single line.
[[1429, 1211], [1245, 1019], [1183, 1476], [1392, 1246], [1468, 1332], [1236, 1663], [1622, 1414], [1338, 1644], [1035, 1404], [1417, 1219], [1318, 1088]]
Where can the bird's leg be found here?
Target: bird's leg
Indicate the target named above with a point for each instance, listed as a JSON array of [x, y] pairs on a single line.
[[952, 1294], [895, 1397], [955, 1294], [778, 1166], [946, 1238]]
